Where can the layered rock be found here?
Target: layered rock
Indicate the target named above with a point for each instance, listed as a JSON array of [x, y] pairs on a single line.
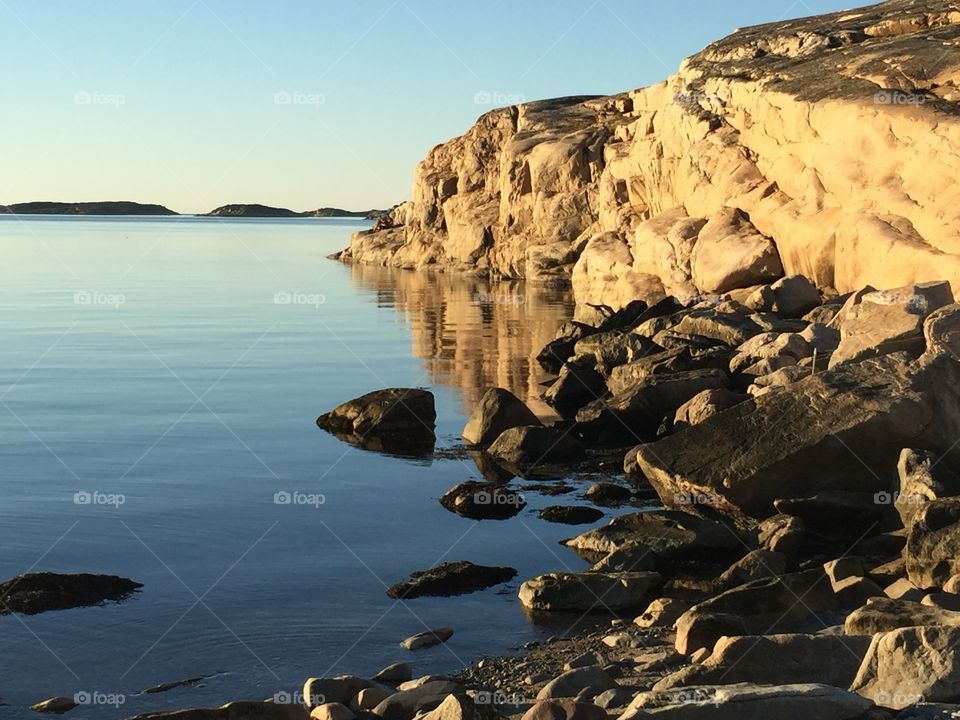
[[818, 146]]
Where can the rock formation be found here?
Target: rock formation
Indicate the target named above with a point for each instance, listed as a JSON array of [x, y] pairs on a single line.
[[824, 146]]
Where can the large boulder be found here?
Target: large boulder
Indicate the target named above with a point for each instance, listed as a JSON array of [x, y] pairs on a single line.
[[614, 347], [838, 430], [451, 578], [589, 591], [341, 689], [33, 593], [730, 253], [578, 383], [778, 659], [745, 701], [667, 362], [705, 405], [933, 545], [532, 449], [400, 421], [922, 478], [585, 681], [404, 704], [498, 410], [910, 665], [789, 297], [882, 615]]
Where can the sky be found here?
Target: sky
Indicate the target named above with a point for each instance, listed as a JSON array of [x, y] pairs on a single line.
[[306, 103]]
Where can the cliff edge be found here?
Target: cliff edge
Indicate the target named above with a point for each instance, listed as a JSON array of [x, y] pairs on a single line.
[[826, 146]]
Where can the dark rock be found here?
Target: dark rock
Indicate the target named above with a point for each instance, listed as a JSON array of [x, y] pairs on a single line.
[[882, 615], [446, 579], [405, 704], [933, 545], [588, 591], [235, 711], [428, 638], [395, 674], [570, 514], [578, 383], [605, 493], [532, 450], [498, 410], [559, 350], [613, 348], [922, 478], [395, 420], [783, 534], [837, 515], [41, 592], [564, 710], [482, 501]]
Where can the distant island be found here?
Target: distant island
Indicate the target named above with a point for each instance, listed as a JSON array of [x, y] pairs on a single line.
[[86, 208], [251, 210]]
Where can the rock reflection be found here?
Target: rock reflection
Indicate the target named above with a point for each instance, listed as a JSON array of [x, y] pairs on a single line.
[[473, 333]]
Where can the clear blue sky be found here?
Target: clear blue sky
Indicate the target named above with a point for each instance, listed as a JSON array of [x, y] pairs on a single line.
[[196, 103]]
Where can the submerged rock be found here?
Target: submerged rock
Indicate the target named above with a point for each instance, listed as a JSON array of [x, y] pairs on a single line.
[[399, 421], [451, 578], [482, 501], [570, 514], [428, 638], [41, 592]]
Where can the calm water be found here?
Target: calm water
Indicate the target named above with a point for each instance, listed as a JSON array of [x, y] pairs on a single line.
[[180, 364]]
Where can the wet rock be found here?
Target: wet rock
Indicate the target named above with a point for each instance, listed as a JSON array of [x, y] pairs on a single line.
[[779, 659], [910, 665], [570, 514], [588, 591], [605, 493], [395, 674], [394, 420], [922, 478], [428, 638], [581, 682], [451, 578], [933, 545], [533, 450], [403, 705], [34, 593], [55, 705], [482, 501], [498, 410], [882, 615]]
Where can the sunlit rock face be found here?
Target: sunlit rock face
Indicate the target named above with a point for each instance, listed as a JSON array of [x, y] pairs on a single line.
[[472, 333], [827, 146]]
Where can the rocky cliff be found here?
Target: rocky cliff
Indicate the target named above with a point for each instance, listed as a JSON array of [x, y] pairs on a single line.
[[826, 146]]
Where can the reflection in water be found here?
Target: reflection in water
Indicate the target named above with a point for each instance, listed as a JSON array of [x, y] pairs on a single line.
[[474, 333]]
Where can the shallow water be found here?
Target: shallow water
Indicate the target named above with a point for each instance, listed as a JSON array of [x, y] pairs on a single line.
[[178, 365]]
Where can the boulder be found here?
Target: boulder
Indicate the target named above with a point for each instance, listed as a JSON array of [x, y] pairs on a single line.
[[933, 545], [922, 478], [903, 589], [428, 638], [482, 501], [580, 682], [614, 347], [498, 410], [564, 710], [778, 659], [570, 514], [705, 405], [588, 591], [839, 515], [783, 534], [637, 413], [451, 578], [755, 565], [578, 383], [560, 349], [341, 689], [790, 297], [394, 674], [889, 321], [727, 328], [910, 665], [730, 253], [882, 615], [395, 420], [942, 600], [460, 707], [332, 711], [662, 612], [853, 592], [746, 701], [33, 593], [768, 352], [54, 705], [403, 705], [534, 449], [668, 362], [822, 339], [607, 493], [831, 431]]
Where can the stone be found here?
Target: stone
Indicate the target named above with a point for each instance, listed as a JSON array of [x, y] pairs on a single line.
[[235, 711], [614, 698], [533, 449], [705, 405], [395, 673], [498, 410], [882, 615], [758, 607], [332, 711], [677, 359], [662, 612], [483, 501], [730, 253], [560, 349], [54, 705], [588, 659], [586, 592], [889, 572], [853, 592], [578, 384], [636, 413], [823, 339], [451, 578], [404, 704], [942, 600], [910, 665], [605, 493], [755, 565], [33, 593], [952, 585], [461, 707], [778, 659], [903, 589], [820, 434], [400, 421], [930, 711], [933, 545], [792, 297], [783, 534], [843, 568], [588, 681], [340, 690], [768, 352], [922, 478], [427, 639], [565, 710], [614, 347], [838, 515], [570, 514]]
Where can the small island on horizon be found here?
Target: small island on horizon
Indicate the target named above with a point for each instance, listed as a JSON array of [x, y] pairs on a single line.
[[121, 207]]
